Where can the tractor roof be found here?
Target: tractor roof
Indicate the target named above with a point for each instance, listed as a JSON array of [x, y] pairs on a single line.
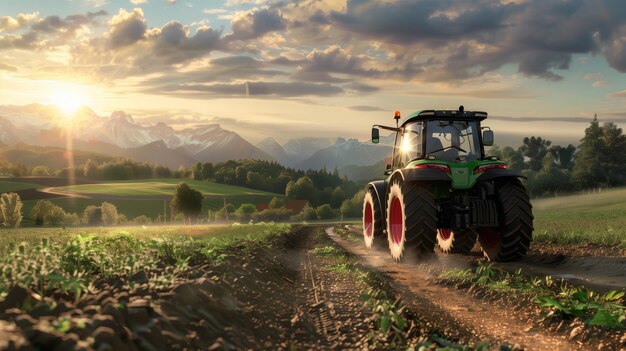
[[445, 114]]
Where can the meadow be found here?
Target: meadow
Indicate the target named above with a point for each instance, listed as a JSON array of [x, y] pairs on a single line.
[[595, 218]]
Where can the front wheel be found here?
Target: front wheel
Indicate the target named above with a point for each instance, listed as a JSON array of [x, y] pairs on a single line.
[[511, 240], [411, 220]]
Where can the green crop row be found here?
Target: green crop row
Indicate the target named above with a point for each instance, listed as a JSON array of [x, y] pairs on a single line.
[[73, 264], [557, 298]]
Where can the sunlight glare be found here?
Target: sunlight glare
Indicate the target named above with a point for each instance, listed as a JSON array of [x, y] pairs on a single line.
[[68, 102]]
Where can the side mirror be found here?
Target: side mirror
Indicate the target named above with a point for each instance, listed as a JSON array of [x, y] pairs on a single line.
[[488, 138], [375, 135], [388, 169]]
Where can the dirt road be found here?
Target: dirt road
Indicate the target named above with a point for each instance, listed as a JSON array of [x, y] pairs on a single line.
[[459, 315]]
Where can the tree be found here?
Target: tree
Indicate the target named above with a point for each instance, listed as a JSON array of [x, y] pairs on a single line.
[[564, 156], [325, 212], [512, 158], [109, 214], [245, 212], [601, 159], [353, 207], [302, 189], [142, 220], [535, 149], [93, 215], [277, 202], [40, 171], [207, 171], [337, 197], [11, 208], [186, 201], [90, 170], [45, 212], [196, 172]]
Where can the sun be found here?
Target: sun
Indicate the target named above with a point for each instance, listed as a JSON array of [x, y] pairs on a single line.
[[68, 102]]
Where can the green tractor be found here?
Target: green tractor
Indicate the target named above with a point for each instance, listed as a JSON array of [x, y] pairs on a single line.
[[441, 190]]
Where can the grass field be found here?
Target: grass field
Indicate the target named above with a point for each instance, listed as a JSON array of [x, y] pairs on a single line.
[[138, 197], [159, 187], [596, 218], [9, 186]]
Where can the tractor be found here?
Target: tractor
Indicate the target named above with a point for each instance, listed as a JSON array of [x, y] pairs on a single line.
[[442, 190]]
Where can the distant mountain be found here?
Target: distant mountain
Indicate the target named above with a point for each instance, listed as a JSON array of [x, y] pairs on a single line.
[[364, 173], [120, 135], [300, 149], [346, 153], [158, 153], [274, 149]]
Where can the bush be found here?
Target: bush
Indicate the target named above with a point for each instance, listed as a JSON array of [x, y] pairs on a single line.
[[308, 213], [245, 212], [109, 214], [11, 208], [71, 219], [353, 207], [221, 213], [93, 215], [143, 219], [277, 202], [121, 218], [325, 212], [40, 171], [272, 215]]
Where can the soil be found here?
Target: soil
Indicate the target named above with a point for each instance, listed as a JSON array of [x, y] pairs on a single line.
[[481, 315], [282, 297]]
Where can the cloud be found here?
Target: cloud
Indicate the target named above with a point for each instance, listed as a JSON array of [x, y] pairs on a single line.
[[127, 28], [618, 94], [7, 67], [256, 89], [255, 23], [22, 20], [138, 2], [366, 108]]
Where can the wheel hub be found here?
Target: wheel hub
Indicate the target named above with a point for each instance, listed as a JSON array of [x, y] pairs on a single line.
[[445, 233], [396, 221]]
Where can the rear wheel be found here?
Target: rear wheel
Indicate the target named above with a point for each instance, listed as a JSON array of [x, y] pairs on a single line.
[[373, 225], [411, 220], [455, 242], [511, 240]]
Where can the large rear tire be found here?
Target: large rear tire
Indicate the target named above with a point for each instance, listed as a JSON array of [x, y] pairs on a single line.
[[512, 239], [373, 225], [460, 242], [411, 220]]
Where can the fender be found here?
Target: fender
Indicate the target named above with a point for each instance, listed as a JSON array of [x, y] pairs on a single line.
[[380, 189], [500, 173], [422, 175]]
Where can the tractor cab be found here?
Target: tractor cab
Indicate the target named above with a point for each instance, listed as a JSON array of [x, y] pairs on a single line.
[[446, 135]]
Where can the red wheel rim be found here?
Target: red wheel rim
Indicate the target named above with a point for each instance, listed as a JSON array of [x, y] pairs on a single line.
[[396, 220], [368, 220], [445, 233], [489, 237]]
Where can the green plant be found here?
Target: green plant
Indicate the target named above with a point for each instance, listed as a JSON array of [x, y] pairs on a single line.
[[605, 311]]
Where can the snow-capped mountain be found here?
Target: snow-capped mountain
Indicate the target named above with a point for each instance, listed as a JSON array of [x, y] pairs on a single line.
[[344, 153], [120, 134]]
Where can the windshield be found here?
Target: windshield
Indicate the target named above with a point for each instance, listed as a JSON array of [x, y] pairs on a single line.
[[448, 139]]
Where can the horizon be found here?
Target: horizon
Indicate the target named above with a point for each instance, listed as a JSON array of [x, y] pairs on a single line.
[[304, 69]]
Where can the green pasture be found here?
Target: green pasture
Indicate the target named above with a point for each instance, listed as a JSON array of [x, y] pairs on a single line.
[[9, 186], [598, 218], [158, 187]]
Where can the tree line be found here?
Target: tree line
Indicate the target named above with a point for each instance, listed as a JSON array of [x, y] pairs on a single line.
[[598, 162]]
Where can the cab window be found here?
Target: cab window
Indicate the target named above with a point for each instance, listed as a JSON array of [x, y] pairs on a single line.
[[408, 145]]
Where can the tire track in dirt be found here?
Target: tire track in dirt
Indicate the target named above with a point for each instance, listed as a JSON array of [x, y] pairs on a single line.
[[452, 311]]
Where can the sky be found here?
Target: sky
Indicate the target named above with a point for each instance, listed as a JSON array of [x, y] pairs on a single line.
[[288, 69]]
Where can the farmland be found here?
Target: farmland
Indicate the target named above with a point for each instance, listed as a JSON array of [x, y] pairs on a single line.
[[594, 218], [148, 197]]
